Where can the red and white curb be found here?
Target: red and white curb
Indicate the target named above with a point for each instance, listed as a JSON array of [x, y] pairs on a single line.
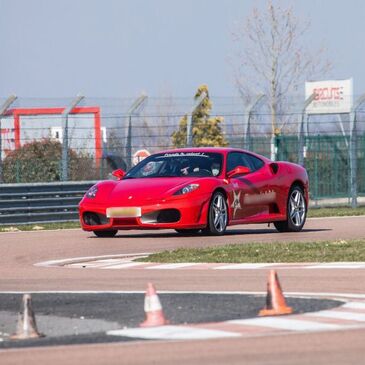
[[126, 261], [349, 316]]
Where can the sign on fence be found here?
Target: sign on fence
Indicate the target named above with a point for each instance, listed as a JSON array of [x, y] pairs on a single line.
[[331, 96], [139, 156]]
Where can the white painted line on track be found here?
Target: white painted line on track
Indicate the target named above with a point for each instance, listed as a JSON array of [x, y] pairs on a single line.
[[336, 217], [337, 265], [89, 265], [354, 305], [287, 324], [350, 316], [217, 266], [126, 265], [119, 261], [109, 261], [171, 266], [173, 333], [241, 266], [85, 259]]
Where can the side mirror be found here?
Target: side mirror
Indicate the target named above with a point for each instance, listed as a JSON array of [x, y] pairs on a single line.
[[119, 174], [239, 170]]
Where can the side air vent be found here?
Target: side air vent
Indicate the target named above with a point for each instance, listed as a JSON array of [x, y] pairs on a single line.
[[274, 167]]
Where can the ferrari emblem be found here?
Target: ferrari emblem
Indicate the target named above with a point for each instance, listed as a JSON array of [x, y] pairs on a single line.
[[236, 204]]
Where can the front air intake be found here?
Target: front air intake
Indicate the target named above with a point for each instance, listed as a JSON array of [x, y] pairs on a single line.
[[168, 216], [161, 216], [94, 219]]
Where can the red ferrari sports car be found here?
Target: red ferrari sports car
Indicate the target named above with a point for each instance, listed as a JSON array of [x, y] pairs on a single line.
[[198, 189]]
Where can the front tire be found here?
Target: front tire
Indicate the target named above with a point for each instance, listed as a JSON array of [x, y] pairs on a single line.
[[217, 215], [296, 212], [109, 233]]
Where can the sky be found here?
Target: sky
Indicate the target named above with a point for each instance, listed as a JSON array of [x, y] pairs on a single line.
[[120, 48]]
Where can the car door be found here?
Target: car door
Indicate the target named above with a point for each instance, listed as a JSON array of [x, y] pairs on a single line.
[[248, 192]]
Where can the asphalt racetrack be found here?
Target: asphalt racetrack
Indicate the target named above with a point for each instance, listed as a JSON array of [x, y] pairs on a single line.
[[212, 312]]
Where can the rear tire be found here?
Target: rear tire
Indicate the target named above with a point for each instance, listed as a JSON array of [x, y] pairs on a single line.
[[296, 212], [109, 233], [217, 215]]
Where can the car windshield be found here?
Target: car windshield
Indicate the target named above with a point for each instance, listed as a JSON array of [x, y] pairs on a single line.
[[178, 164]]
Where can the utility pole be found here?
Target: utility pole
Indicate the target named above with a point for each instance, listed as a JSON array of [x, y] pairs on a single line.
[[3, 109], [133, 111], [353, 151], [303, 120], [64, 116], [247, 142], [189, 127]]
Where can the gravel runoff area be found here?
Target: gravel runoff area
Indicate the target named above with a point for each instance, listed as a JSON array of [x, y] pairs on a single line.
[[84, 318]]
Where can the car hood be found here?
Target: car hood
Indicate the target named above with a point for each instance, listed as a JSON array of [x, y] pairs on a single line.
[[134, 191]]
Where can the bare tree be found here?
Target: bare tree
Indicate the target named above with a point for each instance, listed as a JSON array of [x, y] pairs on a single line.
[[272, 58]]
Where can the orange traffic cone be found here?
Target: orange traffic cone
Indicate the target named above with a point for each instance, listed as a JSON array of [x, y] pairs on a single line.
[[153, 309], [275, 301], [27, 326]]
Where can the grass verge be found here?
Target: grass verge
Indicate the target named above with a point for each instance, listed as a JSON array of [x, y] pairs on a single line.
[[40, 226], [335, 212], [325, 251]]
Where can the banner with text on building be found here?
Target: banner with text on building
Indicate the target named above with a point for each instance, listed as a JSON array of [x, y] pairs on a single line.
[[331, 96]]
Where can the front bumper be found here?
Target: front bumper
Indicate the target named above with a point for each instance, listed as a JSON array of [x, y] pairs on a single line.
[[181, 213]]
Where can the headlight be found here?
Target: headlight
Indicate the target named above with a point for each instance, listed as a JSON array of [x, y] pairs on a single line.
[[91, 193], [187, 189]]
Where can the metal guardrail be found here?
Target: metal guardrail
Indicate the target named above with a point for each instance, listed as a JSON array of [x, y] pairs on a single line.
[[41, 202]]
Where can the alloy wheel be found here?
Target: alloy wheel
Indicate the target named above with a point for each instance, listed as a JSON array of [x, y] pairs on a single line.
[[297, 210], [220, 214]]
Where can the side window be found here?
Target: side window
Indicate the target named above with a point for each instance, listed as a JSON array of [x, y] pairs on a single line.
[[235, 159], [255, 162]]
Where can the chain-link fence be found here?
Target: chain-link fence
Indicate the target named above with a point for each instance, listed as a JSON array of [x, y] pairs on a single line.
[[87, 138]]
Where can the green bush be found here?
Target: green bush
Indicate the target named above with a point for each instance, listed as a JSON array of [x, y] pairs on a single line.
[[41, 161]]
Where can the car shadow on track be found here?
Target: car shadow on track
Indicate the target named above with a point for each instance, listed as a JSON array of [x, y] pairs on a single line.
[[229, 232], [266, 231]]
